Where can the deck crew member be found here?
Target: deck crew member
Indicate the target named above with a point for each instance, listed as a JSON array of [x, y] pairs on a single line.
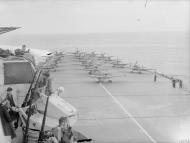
[[59, 91], [12, 109], [48, 89], [63, 131], [180, 84], [42, 80], [173, 83], [45, 83], [6, 122], [155, 77]]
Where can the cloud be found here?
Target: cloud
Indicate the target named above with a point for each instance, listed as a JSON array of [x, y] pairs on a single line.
[[83, 16]]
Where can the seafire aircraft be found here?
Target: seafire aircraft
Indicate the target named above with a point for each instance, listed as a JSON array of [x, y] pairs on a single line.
[[78, 54], [87, 63], [101, 56], [74, 53], [108, 59], [93, 70], [116, 61], [136, 68], [118, 64], [104, 58], [102, 77], [90, 64]]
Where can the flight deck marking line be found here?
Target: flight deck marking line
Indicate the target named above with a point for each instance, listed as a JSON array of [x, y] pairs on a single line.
[[128, 113]]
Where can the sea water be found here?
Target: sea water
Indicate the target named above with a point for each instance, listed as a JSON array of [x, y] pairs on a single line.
[[167, 52]]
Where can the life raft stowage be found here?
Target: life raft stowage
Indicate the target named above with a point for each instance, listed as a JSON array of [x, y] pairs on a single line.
[[57, 108]]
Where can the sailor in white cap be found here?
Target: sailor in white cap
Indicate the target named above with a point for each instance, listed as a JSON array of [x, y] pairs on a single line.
[[59, 91]]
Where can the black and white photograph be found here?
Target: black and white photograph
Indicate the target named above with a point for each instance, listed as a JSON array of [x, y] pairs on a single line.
[[94, 71]]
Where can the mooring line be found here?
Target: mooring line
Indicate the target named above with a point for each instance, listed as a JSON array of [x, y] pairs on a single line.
[[128, 113]]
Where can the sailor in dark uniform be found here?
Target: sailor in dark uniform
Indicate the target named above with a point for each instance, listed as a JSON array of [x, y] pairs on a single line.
[[48, 83], [63, 132], [155, 77], [12, 107], [6, 120]]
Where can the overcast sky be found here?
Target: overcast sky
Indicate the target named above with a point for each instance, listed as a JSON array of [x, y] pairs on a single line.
[[94, 16]]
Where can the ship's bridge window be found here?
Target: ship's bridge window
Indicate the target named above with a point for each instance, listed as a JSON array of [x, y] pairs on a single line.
[[18, 72]]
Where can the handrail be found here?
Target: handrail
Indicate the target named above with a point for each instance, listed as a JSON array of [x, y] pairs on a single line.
[[29, 90], [41, 135], [29, 102]]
